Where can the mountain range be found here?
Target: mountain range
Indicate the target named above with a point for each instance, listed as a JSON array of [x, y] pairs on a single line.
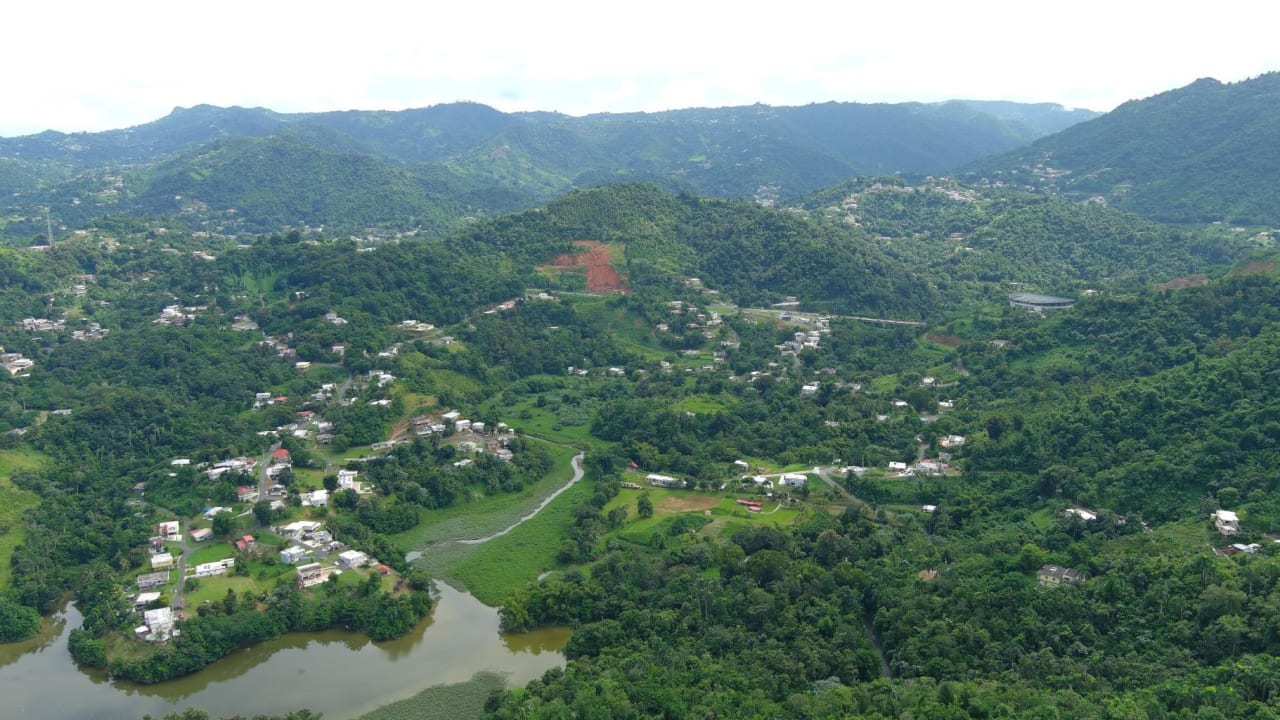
[[430, 167]]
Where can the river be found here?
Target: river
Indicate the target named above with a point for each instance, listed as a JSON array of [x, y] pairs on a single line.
[[341, 674]]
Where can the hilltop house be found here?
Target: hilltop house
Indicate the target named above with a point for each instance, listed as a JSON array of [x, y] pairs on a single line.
[[1053, 576], [1227, 522]]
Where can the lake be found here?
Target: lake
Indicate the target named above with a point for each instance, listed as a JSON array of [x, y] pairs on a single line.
[[338, 673]]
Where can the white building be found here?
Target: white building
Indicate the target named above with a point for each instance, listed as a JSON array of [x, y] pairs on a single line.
[[293, 555], [352, 559]]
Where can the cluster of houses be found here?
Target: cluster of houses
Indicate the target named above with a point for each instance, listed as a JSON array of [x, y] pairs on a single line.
[[42, 324], [94, 331], [233, 465], [178, 314], [415, 326], [923, 467], [280, 348], [15, 363], [265, 399]]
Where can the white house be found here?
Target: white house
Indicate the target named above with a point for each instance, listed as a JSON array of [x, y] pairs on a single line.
[[168, 528], [161, 561], [952, 441], [318, 498], [352, 559], [293, 555], [217, 567], [1081, 513], [794, 480], [663, 480], [201, 534], [159, 621], [899, 466], [1227, 522], [347, 478]]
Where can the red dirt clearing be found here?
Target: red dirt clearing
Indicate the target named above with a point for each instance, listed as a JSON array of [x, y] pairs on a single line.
[[944, 340], [686, 503], [1256, 267], [596, 258], [1183, 282]]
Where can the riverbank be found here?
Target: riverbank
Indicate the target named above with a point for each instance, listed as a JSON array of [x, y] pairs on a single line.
[[338, 673]]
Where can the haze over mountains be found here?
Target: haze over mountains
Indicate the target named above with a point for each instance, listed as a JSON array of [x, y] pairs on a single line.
[[429, 167]]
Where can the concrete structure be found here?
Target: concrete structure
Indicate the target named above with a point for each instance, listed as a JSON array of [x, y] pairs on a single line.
[[1040, 303], [293, 555], [353, 559], [1227, 522], [1053, 575]]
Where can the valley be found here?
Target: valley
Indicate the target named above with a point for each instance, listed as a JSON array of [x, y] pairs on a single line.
[[511, 423]]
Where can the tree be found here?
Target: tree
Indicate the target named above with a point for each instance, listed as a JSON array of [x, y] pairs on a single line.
[[223, 524], [262, 512], [644, 506]]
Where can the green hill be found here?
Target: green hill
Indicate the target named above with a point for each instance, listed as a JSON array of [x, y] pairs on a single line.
[[1202, 153]]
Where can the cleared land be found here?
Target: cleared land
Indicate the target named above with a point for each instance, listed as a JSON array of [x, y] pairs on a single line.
[[597, 259], [13, 503]]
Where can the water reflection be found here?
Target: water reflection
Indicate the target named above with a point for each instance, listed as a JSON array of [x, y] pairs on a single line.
[[338, 673]]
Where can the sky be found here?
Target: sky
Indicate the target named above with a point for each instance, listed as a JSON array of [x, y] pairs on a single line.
[[89, 65]]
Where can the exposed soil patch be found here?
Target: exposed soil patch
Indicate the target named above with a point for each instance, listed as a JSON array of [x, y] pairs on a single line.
[[596, 258], [687, 503], [1254, 268], [1185, 282], [946, 340]]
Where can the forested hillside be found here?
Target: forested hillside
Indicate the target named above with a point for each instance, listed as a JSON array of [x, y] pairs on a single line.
[[256, 170], [1202, 153]]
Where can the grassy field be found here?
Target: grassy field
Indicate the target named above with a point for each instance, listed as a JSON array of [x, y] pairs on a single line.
[[13, 503], [529, 419], [461, 701], [261, 578], [491, 570], [488, 515], [727, 516]]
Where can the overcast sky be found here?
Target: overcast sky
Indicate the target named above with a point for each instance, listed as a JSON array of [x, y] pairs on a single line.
[[75, 66]]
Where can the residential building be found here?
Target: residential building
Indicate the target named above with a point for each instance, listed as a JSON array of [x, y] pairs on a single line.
[[293, 555], [1054, 575], [1227, 522], [353, 559]]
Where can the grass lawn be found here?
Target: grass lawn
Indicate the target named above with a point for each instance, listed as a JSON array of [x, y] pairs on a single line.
[[490, 514], [727, 515], [493, 569], [210, 553], [215, 588], [540, 422], [461, 701], [13, 503], [1185, 537], [701, 404]]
